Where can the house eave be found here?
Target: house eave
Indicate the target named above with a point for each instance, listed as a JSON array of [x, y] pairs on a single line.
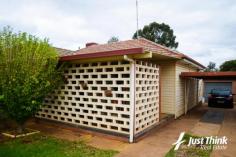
[[193, 62], [132, 51]]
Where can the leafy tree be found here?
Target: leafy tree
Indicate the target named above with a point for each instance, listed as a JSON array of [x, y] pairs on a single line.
[[158, 33], [113, 39], [228, 66], [28, 72], [211, 67]]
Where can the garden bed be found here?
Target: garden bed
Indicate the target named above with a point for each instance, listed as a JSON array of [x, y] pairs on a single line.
[[39, 145], [15, 134]]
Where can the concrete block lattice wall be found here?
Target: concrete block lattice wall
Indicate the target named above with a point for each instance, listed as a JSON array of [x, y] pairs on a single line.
[[147, 95], [97, 95]]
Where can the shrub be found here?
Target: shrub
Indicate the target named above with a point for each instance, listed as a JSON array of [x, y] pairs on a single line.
[[28, 72]]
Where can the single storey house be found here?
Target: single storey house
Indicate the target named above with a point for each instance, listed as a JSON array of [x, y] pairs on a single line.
[[123, 88]]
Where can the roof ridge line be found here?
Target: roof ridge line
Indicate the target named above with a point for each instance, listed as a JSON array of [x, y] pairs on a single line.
[[164, 47]]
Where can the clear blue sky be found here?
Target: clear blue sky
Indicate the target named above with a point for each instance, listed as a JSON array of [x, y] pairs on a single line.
[[205, 30]]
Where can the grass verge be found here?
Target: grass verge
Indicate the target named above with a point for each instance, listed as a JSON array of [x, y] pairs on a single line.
[[43, 146]]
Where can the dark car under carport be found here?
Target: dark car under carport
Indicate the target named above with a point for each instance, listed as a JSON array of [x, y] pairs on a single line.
[[214, 80]]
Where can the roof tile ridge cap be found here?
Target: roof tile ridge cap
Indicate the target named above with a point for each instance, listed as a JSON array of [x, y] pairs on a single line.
[[77, 51], [66, 51], [113, 43], [63, 49], [142, 45], [161, 46], [123, 41]]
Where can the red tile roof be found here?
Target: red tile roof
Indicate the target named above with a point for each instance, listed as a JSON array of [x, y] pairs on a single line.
[[63, 52], [135, 46]]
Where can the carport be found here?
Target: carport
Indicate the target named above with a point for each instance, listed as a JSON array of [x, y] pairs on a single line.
[[207, 125], [214, 80]]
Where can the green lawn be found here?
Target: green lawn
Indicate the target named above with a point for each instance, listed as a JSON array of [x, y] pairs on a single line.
[[44, 146]]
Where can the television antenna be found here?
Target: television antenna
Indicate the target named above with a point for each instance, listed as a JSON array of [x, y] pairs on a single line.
[[137, 18]]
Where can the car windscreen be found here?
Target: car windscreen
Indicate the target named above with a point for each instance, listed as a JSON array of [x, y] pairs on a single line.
[[220, 92]]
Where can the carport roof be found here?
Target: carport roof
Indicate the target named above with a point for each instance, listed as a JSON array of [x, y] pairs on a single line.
[[209, 75]]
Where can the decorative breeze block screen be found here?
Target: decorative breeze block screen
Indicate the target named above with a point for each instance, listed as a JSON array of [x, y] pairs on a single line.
[[147, 95], [97, 95]]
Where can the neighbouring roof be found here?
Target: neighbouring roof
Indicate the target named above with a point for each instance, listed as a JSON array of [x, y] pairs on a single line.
[[136, 46], [63, 52], [209, 75]]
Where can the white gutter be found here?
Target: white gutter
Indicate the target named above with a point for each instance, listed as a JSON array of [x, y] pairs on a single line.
[[132, 98]]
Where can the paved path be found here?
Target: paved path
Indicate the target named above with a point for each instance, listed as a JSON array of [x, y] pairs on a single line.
[[159, 142]]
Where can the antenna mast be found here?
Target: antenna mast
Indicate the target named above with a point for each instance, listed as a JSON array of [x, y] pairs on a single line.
[[137, 17]]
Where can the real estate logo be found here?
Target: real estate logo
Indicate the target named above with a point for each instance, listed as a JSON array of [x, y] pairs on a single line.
[[208, 142], [179, 141]]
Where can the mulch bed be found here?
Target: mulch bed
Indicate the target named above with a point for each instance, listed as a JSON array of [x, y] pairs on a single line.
[[15, 134], [9, 127]]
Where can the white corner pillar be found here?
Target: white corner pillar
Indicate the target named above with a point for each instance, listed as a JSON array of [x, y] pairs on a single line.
[[132, 101]]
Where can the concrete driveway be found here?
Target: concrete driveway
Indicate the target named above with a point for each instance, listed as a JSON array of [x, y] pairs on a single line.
[[228, 129], [159, 142]]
